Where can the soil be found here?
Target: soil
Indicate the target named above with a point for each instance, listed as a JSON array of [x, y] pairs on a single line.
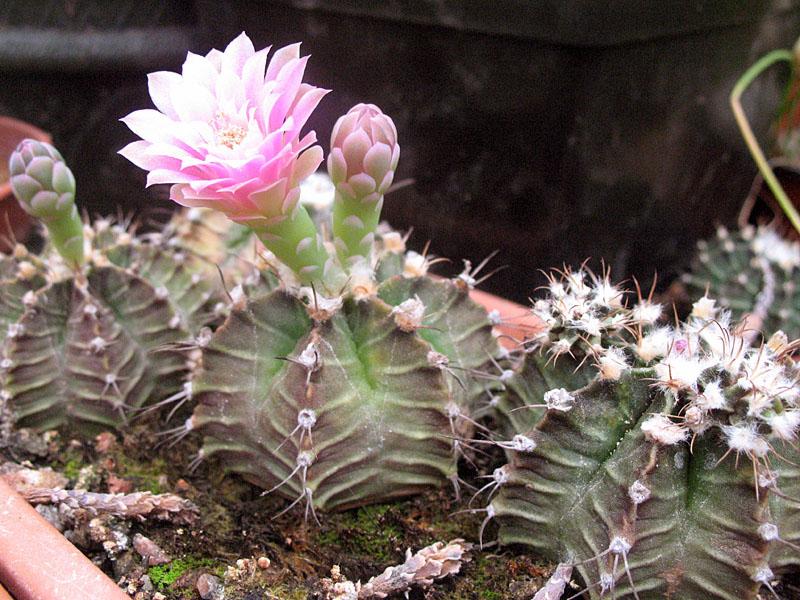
[[238, 529], [238, 526]]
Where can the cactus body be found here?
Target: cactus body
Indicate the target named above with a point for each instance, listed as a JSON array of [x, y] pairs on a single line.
[[652, 468], [349, 406], [752, 271], [86, 348]]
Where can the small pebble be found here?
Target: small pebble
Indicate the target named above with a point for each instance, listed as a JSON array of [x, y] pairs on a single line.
[[118, 485], [159, 596], [149, 550], [105, 442], [209, 587], [263, 562]]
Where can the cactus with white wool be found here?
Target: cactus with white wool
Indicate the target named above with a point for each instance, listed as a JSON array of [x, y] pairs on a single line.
[[656, 458], [754, 272], [356, 378]]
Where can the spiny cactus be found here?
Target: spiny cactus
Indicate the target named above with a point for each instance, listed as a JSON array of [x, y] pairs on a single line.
[[91, 329], [657, 459], [752, 271], [351, 377], [343, 401]]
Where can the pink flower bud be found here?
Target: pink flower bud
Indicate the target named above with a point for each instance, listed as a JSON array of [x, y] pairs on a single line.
[[364, 153]]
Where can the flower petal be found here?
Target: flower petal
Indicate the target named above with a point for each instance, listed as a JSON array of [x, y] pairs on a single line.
[[160, 86], [236, 54], [280, 58], [200, 70]]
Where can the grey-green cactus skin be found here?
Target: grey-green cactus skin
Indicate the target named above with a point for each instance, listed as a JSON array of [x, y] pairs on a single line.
[[696, 536], [86, 348], [751, 271], [640, 513], [350, 407]]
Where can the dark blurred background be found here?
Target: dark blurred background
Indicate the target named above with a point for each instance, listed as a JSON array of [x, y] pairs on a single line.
[[552, 130]]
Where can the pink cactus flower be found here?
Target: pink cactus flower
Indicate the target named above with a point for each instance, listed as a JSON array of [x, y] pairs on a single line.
[[226, 132]]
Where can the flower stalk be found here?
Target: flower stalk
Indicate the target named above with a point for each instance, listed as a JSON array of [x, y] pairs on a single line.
[[296, 243]]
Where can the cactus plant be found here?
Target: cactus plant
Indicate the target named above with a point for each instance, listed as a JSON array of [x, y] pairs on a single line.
[[751, 271], [341, 401], [90, 328], [352, 377], [663, 466]]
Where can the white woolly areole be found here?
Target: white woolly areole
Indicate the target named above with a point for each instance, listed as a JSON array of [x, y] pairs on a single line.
[[619, 545], [681, 371], [590, 324], [744, 438], [408, 314], [323, 308], [317, 191], [437, 359], [559, 347], [362, 280], [638, 492], [309, 357], [500, 475], [704, 308], [784, 425], [654, 344], [415, 265], [646, 312], [606, 294], [306, 418], [768, 532], [305, 459], [522, 443], [712, 397], [763, 575], [661, 430], [393, 242], [559, 399], [612, 364]]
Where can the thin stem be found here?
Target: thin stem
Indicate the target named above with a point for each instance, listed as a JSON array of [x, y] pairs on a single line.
[[750, 139]]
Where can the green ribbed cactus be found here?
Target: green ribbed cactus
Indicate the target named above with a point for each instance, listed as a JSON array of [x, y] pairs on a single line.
[[338, 400], [653, 457], [98, 324], [752, 271]]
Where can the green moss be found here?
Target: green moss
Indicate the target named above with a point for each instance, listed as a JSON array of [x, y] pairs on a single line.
[[163, 576], [145, 476], [370, 531], [72, 468], [282, 592]]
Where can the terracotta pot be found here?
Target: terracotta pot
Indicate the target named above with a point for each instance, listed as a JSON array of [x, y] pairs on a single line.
[[38, 563], [14, 222]]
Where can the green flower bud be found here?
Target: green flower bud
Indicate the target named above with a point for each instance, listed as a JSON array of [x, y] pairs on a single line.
[[45, 187]]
